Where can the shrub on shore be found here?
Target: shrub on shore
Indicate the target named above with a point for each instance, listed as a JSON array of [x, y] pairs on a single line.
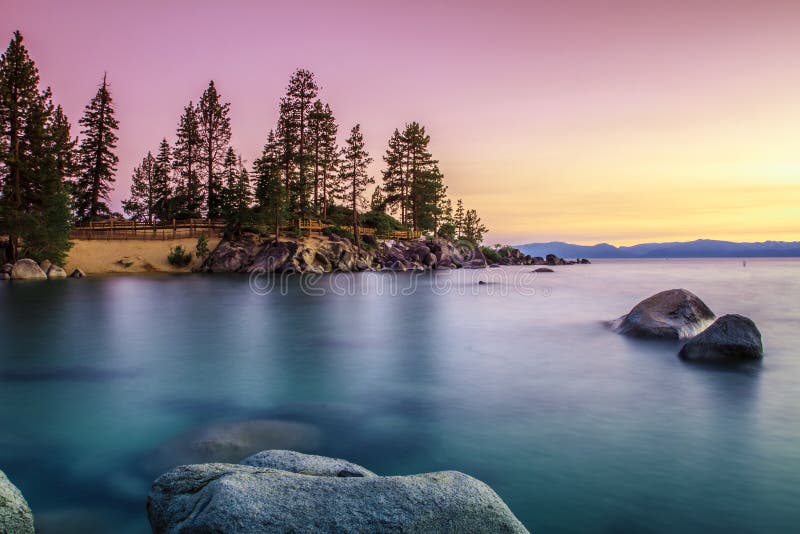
[[179, 257]]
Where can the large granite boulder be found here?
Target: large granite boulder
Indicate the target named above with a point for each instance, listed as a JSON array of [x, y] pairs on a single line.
[[15, 514], [26, 269], [225, 498], [233, 256], [731, 338], [306, 464], [273, 257], [671, 314]]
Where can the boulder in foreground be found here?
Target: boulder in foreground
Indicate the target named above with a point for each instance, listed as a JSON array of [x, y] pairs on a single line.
[[731, 338], [306, 464], [231, 498], [26, 269], [671, 314], [15, 515]]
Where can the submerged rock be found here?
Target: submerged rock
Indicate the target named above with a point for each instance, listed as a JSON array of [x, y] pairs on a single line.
[[671, 314], [731, 338], [15, 514], [26, 269], [306, 464], [77, 273], [226, 498], [232, 441], [543, 270]]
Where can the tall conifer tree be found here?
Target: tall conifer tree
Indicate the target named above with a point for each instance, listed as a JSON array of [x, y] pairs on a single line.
[[215, 135], [97, 157], [188, 190], [355, 161], [141, 204]]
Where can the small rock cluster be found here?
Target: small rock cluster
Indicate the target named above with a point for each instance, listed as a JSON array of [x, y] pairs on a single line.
[[680, 315], [27, 269]]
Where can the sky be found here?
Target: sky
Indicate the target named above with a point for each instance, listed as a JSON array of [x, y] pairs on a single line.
[[595, 121]]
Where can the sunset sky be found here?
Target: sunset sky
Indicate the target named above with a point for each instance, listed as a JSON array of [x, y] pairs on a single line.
[[591, 121]]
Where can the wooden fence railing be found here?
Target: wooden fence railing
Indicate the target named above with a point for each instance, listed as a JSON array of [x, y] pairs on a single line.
[[122, 229], [118, 229]]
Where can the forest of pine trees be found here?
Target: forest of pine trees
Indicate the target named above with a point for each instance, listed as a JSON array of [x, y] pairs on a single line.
[[51, 180]]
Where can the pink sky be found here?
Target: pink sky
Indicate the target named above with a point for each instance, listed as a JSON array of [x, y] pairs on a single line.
[[580, 121]]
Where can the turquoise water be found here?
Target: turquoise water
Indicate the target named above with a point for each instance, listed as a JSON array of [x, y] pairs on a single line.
[[516, 382]]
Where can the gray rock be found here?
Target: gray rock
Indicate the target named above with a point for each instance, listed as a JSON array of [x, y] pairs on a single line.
[[45, 265], [6, 268], [543, 270], [671, 314], [306, 464], [15, 514], [77, 273], [26, 269], [730, 338], [56, 272], [230, 442], [224, 498]]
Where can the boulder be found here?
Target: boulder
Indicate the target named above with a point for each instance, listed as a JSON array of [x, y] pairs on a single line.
[[7, 267], [543, 270], [56, 272], [77, 273], [552, 259], [671, 314], [731, 338], [5, 276], [584, 261], [271, 258], [226, 498], [26, 269], [306, 464], [15, 514], [45, 265]]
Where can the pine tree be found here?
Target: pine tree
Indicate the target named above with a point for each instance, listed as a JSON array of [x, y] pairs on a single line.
[[215, 135], [394, 176], [235, 195], [354, 174], [163, 203], [98, 161], [36, 154], [141, 204], [412, 181], [324, 155], [188, 191], [473, 229], [377, 202], [458, 218], [270, 191]]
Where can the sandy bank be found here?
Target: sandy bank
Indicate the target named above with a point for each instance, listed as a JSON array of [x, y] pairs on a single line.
[[107, 257]]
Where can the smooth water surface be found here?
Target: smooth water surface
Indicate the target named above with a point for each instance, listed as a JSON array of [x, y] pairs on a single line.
[[517, 382]]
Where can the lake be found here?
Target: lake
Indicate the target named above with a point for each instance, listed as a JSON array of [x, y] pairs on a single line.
[[517, 382]]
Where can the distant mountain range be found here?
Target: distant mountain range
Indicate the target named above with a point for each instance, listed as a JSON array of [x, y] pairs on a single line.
[[702, 248]]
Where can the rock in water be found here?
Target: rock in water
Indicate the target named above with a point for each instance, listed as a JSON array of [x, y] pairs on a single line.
[[77, 273], [543, 270], [15, 515], [26, 269], [56, 272], [671, 314], [226, 498], [306, 464], [731, 338]]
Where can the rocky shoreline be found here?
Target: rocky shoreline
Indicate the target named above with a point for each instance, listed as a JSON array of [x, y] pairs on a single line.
[[253, 254]]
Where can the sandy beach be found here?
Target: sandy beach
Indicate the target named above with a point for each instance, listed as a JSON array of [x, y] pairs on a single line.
[[131, 256]]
